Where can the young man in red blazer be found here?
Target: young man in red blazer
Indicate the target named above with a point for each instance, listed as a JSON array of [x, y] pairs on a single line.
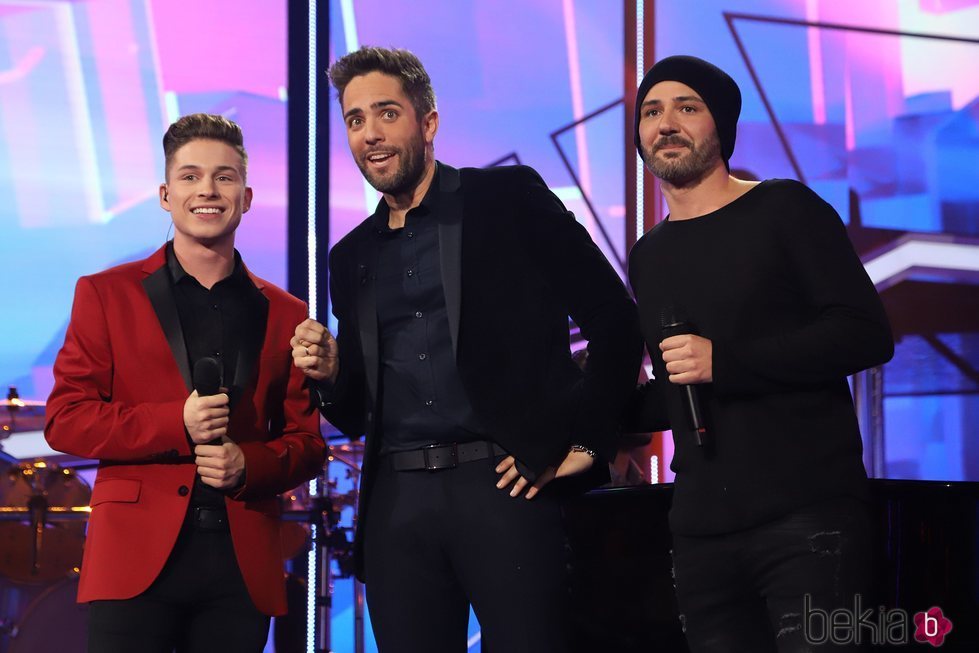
[[183, 545]]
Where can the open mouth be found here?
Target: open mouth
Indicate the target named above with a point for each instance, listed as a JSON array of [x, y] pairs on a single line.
[[379, 158]]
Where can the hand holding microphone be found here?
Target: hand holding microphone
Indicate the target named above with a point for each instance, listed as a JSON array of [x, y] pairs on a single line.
[[206, 409], [688, 359]]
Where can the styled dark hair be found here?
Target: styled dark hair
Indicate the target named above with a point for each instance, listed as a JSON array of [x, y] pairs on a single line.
[[203, 126], [401, 64]]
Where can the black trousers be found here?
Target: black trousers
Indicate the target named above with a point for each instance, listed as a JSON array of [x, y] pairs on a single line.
[[766, 589], [198, 604], [436, 542]]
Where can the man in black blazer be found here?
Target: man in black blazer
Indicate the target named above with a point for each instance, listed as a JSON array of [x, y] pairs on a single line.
[[453, 357]]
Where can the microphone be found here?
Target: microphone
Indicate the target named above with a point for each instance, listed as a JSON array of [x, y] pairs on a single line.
[[207, 380], [207, 376], [674, 323]]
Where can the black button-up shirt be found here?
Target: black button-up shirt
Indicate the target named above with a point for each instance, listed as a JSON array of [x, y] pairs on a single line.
[[215, 323], [422, 398]]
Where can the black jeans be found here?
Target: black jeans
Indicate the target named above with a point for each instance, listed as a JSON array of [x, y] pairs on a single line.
[[198, 604], [436, 542], [758, 591]]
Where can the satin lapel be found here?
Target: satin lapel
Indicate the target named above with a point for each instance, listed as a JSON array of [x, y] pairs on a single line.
[[367, 309], [157, 287], [450, 248], [250, 347]]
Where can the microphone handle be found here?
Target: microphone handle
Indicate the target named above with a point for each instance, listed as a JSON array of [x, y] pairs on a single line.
[[690, 398], [693, 410]]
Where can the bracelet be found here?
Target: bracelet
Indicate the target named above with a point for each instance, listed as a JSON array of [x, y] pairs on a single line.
[[583, 449]]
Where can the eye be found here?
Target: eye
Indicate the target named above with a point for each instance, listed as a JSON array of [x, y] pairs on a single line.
[[225, 178], [189, 177], [390, 114], [688, 109], [652, 112], [353, 123]]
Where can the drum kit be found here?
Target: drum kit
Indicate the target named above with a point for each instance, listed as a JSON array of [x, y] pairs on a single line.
[[43, 513]]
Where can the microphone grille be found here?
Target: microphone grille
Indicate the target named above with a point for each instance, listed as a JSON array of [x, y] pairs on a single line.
[[207, 376], [670, 314]]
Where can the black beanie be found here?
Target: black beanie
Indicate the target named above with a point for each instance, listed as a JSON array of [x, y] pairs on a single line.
[[719, 92]]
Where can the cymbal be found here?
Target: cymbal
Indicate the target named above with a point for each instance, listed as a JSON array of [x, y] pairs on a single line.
[[18, 415], [348, 453], [355, 447], [20, 403]]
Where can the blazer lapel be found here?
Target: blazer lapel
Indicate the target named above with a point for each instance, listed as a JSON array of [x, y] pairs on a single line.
[[250, 346], [367, 309], [158, 289], [450, 247]]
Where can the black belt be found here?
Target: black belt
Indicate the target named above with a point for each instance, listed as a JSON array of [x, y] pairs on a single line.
[[444, 456], [208, 519]]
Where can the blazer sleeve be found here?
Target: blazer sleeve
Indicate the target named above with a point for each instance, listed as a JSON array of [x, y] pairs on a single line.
[[83, 418], [599, 304], [294, 451]]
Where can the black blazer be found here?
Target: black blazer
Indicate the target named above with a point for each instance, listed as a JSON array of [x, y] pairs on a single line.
[[514, 268]]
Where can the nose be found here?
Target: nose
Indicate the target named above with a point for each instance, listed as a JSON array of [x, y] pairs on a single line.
[[667, 123], [207, 188], [372, 132]]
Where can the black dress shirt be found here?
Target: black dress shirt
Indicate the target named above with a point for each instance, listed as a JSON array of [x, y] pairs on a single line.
[[422, 397], [215, 323]]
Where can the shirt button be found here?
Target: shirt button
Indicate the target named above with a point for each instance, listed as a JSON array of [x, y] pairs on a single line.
[[218, 354], [214, 306], [429, 402], [422, 357], [411, 234], [411, 273], [183, 490], [418, 313]]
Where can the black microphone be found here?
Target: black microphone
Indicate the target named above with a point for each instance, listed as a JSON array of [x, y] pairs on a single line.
[[207, 376], [207, 380], [674, 323]]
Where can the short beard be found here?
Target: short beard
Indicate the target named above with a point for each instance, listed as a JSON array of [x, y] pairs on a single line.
[[411, 168], [683, 171]]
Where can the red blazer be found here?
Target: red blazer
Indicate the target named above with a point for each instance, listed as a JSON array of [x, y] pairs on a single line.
[[121, 381]]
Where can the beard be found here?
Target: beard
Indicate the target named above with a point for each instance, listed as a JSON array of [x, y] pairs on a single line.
[[411, 167], [679, 170]]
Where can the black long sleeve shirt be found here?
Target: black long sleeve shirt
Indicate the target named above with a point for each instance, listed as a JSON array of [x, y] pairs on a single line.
[[422, 397], [773, 281], [215, 323]]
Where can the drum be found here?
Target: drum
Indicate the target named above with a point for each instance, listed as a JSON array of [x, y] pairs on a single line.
[[52, 622], [54, 551]]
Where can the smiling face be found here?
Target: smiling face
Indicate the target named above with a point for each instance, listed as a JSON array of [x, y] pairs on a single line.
[[206, 193], [390, 145], [678, 135]]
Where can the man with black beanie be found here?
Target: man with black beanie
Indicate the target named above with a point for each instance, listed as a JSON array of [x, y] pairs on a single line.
[[751, 296]]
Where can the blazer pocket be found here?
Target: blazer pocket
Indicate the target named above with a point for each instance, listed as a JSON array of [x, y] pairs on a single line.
[[120, 490]]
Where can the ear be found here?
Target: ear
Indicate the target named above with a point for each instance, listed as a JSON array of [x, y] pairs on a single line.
[[164, 198], [247, 204], [430, 126]]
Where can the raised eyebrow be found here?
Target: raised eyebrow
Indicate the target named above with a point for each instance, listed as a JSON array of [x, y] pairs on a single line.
[[386, 103], [352, 112], [376, 105]]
